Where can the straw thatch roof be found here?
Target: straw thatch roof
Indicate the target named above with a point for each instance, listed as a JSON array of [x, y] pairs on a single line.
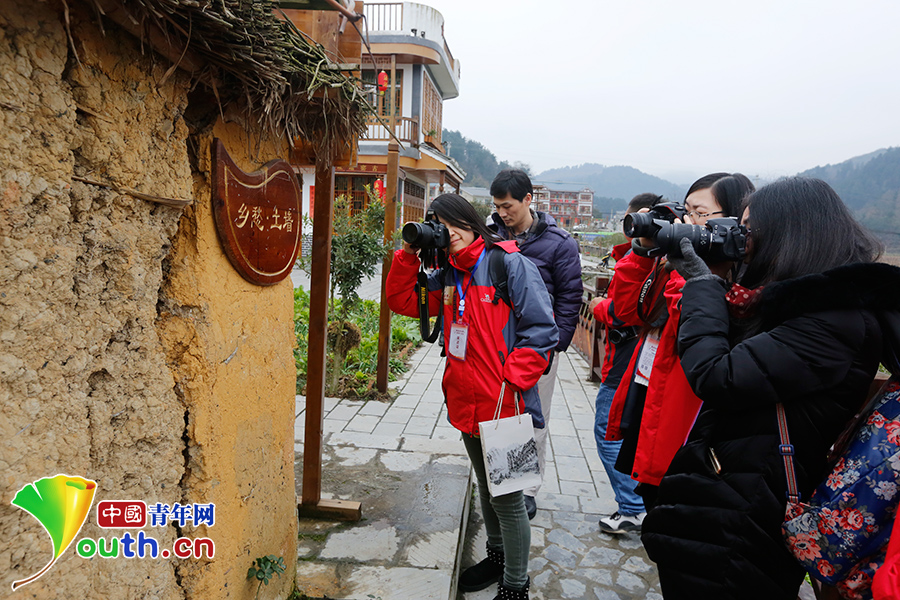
[[292, 88]]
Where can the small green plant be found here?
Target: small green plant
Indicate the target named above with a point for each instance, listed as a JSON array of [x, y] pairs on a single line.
[[359, 367], [263, 568]]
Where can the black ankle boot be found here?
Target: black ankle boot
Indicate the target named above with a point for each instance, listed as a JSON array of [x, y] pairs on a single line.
[[484, 573], [506, 593]]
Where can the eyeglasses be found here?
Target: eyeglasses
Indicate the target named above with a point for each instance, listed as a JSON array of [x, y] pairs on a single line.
[[694, 214]]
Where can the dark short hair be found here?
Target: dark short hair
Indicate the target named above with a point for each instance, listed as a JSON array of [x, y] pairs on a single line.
[[705, 182], [730, 193], [645, 200], [455, 210], [800, 226], [514, 182]]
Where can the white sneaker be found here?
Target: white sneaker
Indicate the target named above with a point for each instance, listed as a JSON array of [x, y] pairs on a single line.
[[617, 523]]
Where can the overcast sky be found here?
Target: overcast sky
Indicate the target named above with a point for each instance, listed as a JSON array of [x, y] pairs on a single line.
[[676, 88]]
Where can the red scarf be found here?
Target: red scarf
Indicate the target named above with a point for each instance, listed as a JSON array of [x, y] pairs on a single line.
[[742, 301]]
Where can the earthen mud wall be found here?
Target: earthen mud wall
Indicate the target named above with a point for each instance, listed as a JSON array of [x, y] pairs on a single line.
[[131, 353]]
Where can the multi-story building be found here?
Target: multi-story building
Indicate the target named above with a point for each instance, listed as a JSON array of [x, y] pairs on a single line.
[[571, 204], [408, 45]]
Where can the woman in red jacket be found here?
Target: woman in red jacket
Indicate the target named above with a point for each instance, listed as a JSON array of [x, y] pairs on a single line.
[[487, 342], [654, 406]]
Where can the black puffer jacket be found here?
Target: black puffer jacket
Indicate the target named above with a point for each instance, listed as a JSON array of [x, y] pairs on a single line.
[[717, 534]]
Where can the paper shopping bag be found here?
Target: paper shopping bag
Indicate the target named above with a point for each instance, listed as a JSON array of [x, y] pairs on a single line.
[[510, 452]]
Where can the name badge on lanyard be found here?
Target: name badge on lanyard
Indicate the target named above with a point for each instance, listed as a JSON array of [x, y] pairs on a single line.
[[459, 331], [645, 360], [459, 335]]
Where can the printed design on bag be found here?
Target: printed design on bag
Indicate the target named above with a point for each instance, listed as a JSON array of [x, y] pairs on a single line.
[[858, 584], [512, 462], [839, 535]]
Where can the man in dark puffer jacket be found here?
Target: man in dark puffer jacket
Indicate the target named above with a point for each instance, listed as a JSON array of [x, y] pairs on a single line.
[[555, 253], [813, 343]]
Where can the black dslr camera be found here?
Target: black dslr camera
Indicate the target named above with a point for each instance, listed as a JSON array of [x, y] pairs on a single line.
[[431, 237], [666, 212], [720, 240]]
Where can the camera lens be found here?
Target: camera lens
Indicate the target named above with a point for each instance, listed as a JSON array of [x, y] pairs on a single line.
[[417, 234], [639, 225], [670, 236]]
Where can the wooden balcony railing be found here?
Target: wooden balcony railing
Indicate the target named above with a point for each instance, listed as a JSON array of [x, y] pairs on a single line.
[[406, 129]]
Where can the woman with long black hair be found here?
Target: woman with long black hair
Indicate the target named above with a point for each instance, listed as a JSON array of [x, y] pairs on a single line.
[[799, 329], [488, 343]]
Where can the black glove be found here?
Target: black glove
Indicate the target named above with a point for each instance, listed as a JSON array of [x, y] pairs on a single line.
[[691, 266]]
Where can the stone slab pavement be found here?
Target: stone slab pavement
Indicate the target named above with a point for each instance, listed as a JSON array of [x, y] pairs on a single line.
[[369, 289], [407, 466], [570, 557]]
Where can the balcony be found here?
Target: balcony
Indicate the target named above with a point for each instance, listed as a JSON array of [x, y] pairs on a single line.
[[406, 129], [416, 33]]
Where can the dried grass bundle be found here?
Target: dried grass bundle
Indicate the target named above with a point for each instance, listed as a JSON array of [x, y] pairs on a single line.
[[289, 83]]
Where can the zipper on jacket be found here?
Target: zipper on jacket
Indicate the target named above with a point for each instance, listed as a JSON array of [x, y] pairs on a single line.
[[716, 465]]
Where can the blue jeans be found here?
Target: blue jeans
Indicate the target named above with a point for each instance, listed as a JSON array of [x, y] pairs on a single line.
[[623, 485]]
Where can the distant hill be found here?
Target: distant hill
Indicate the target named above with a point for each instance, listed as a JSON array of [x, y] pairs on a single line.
[[479, 163], [612, 186], [870, 185], [614, 182], [863, 179]]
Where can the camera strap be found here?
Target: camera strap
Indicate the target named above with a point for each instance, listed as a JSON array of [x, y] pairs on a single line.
[[422, 295], [643, 310]]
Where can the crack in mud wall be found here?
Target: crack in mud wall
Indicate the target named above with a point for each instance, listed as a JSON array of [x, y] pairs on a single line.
[[232, 344]]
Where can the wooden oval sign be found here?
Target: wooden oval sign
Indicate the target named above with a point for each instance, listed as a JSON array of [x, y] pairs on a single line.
[[257, 216]]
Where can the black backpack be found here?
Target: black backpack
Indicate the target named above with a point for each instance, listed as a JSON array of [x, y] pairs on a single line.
[[499, 277]]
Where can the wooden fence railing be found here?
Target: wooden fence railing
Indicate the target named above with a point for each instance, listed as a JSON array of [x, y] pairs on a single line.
[[590, 337]]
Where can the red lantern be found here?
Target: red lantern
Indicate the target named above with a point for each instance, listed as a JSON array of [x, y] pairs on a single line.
[[382, 82], [380, 192]]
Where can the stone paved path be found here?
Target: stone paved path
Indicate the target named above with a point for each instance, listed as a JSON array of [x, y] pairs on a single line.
[[403, 458], [570, 557], [407, 467]]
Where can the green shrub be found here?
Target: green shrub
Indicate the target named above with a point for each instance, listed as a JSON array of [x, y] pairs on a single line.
[[360, 365]]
